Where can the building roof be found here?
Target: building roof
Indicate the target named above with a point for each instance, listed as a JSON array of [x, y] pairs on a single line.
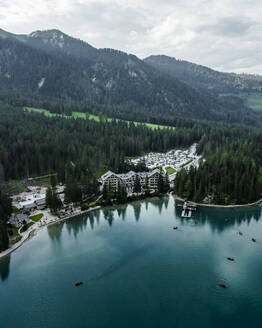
[[128, 175], [154, 172], [31, 205], [21, 217], [107, 175], [40, 201]]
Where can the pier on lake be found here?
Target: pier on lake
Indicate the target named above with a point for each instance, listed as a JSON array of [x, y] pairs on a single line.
[[188, 208]]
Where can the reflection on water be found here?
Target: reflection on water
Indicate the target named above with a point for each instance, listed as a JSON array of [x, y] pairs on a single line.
[[131, 259], [91, 220], [81, 223], [97, 216], [122, 211], [220, 219], [166, 201], [109, 215], [54, 231], [137, 210], [5, 267]]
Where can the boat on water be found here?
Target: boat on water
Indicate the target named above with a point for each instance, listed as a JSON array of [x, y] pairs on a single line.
[[230, 259], [79, 283]]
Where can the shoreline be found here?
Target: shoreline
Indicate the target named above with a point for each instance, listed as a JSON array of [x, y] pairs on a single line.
[[219, 206], [34, 229]]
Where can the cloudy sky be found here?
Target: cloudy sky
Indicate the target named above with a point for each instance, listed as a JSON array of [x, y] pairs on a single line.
[[222, 34]]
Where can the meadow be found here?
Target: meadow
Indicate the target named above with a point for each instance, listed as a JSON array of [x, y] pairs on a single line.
[[96, 118]]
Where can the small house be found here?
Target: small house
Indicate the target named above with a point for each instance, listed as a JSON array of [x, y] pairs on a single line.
[[19, 220]]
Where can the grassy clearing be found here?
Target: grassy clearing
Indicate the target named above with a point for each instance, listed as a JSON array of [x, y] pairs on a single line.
[[93, 117], [36, 217], [170, 170], [26, 226], [16, 211], [254, 101], [43, 182], [30, 224]]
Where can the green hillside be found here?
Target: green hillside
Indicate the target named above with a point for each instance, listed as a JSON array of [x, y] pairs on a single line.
[[254, 101], [91, 117]]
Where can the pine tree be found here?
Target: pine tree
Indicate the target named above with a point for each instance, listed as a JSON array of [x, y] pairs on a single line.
[[48, 199], [161, 183], [105, 191], [5, 213], [166, 183], [53, 181], [137, 184], [146, 183], [118, 192], [56, 202]]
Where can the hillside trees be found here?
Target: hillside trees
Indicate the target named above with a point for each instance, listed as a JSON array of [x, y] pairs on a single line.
[[233, 175], [5, 213], [32, 144], [52, 199], [137, 184]]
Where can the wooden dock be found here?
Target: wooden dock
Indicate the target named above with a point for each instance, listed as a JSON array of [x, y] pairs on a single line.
[[188, 208]]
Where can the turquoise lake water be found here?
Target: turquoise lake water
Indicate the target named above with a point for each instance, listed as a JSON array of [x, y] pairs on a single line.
[[138, 271]]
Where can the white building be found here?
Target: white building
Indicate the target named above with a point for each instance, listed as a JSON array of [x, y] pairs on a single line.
[[128, 179]]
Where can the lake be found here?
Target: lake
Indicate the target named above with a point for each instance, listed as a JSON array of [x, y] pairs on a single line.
[[138, 271]]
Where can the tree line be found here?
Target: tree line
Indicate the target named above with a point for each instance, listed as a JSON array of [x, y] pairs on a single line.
[[79, 151], [230, 174]]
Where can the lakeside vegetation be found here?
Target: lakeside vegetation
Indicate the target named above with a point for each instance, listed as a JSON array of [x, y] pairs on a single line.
[[230, 175], [5, 213], [26, 226]]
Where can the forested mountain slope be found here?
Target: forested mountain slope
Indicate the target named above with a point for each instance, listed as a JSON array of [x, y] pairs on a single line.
[[49, 66], [204, 78]]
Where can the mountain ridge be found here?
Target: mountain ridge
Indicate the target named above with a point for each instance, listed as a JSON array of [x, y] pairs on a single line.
[[50, 64], [205, 78]]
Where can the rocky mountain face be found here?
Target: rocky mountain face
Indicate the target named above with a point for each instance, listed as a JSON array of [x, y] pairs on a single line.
[[51, 65]]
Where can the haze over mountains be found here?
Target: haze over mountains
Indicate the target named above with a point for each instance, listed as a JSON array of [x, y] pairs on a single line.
[[49, 67], [204, 78]]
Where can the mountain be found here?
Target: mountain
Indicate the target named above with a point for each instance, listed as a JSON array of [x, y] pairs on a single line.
[[49, 67], [204, 78]]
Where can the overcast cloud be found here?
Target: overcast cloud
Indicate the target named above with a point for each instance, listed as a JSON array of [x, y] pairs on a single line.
[[225, 34]]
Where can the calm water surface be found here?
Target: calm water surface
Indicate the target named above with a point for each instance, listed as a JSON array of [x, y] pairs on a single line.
[[138, 271]]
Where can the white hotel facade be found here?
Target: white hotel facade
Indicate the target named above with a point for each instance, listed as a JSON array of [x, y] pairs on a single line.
[[128, 179]]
